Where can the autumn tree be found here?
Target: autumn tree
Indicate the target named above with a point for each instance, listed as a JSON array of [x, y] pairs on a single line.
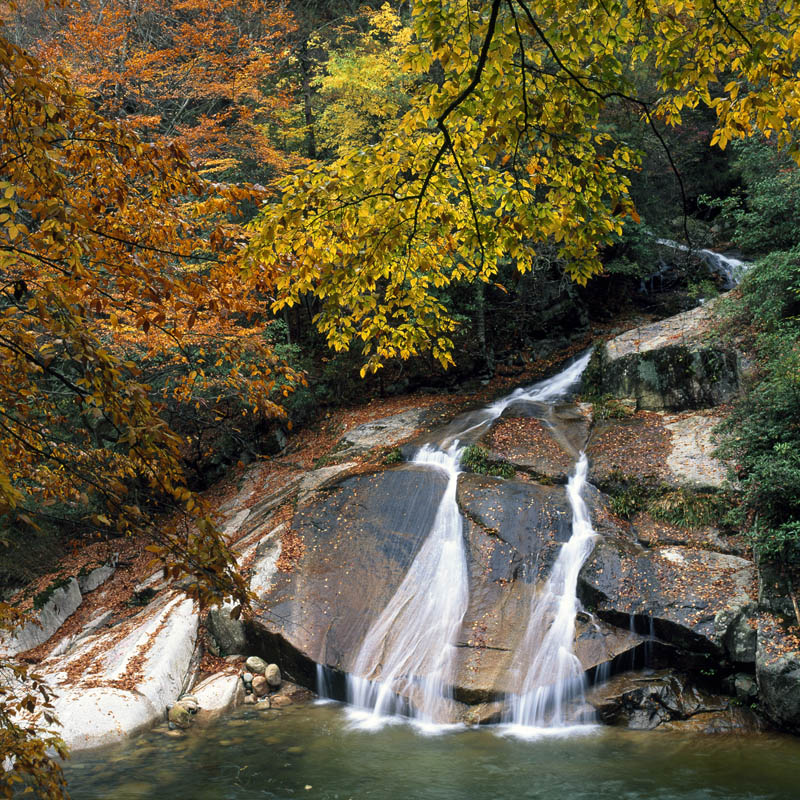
[[200, 72], [504, 153], [363, 91], [105, 238]]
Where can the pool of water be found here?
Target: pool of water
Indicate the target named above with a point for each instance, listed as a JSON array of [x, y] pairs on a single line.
[[315, 752]]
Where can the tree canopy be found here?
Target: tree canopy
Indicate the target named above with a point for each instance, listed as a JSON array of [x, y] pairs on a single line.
[[505, 150], [495, 143]]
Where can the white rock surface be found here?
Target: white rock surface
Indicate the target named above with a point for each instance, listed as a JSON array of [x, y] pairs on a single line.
[[168, 639], [97, 621], [265, 564], [61, 605], [686, 328], [233, 525], [95, 578], [385, 432], [690, 460], [93, 717], [217, 694], [316, 478], [129, 674]]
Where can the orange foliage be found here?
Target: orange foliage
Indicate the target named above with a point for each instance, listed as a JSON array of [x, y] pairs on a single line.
[[199, 70], [98, 243]]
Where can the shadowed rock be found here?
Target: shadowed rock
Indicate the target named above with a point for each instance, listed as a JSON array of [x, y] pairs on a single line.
[[671, 364], [692, 596], [668, 701], [360, 539]]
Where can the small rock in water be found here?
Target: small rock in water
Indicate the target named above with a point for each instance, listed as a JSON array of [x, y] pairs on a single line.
[[256, 664], [189, 701], [281, 701], [264, 704], [180, 715], [273, 675], [746, 687], [250, 700], [260, 686]]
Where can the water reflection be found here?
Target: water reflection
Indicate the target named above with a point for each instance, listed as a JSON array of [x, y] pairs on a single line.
[[311, 752]]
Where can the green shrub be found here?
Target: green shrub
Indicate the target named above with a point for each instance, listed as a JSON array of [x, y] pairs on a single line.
[[628, 496], [609, 407], [765, 215], [394, 456], [679, 506], [476, 459], [762, 435], [689, 509]]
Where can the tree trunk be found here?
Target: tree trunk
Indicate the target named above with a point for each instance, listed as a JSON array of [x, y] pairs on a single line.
[[480, 328], [305, 69]]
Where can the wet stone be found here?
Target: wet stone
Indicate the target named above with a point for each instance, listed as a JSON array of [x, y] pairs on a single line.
[[256, 665]]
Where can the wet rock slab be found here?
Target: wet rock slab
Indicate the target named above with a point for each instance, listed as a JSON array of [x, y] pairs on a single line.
[[546, 445], [676, 449], [359, 540], [692, 596]]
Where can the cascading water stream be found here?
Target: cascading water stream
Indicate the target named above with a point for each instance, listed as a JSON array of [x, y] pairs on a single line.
[[406, 664], [730, 268], [408, 655], [553, 675]]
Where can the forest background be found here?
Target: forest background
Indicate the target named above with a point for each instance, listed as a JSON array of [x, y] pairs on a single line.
[[218, 219]]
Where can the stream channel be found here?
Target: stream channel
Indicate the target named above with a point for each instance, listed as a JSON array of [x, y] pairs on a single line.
[[547, 745]]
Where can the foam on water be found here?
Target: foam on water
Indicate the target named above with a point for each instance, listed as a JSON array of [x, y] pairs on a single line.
[[553, 681], [406, 664]]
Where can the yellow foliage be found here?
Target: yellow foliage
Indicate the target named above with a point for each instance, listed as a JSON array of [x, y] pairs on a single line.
[[501, 150], [364, 90]]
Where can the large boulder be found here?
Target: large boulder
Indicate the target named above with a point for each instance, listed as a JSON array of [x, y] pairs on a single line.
[[217, 694], [665, 700], [384, 432], [668, 365], [358, 542], [228, 633], [694, 599], [778, 672], [121, 679]]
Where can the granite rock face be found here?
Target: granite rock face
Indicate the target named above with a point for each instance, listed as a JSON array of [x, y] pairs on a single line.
[[695, 599], [668, 365], [668, 701], [778, 673], [59, 606], [359, 541]]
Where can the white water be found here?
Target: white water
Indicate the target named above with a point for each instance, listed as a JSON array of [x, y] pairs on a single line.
[[732, 269], [408, 655], [407, 660], [553, 675]]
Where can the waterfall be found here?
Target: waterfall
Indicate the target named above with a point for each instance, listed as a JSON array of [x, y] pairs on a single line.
[[406, 664], [553, 675], [731, 269], [407, 658]]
